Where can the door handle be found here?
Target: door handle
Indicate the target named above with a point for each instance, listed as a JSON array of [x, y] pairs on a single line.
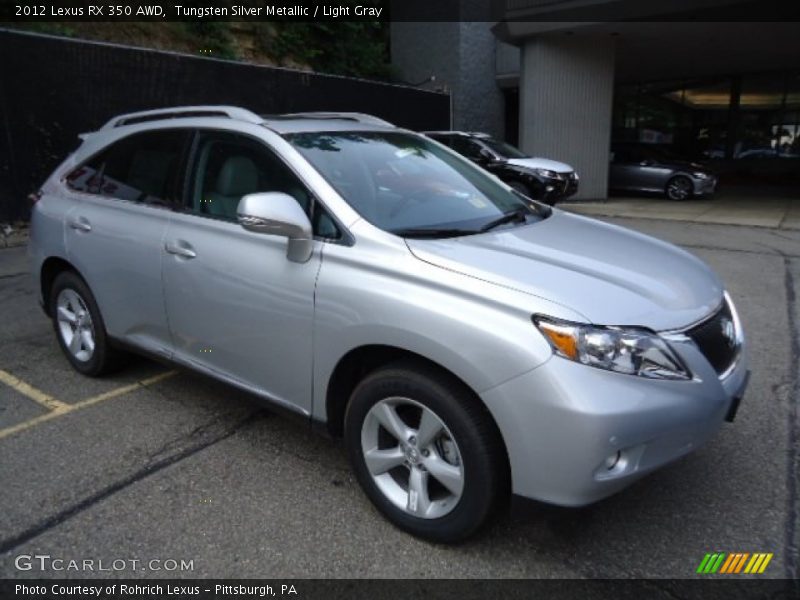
[[180, 248], [80, 224]]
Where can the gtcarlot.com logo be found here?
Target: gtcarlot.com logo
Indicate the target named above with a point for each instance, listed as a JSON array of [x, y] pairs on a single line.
[[46, 562], [733, 563]]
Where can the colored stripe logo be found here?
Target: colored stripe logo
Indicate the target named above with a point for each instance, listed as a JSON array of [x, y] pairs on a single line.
[[734, 563]]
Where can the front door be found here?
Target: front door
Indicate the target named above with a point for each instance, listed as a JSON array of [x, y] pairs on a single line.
[[236, 305]]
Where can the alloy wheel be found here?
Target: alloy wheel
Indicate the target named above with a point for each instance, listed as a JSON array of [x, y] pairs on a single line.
[[75, 324], [679, 188], [412, 457]]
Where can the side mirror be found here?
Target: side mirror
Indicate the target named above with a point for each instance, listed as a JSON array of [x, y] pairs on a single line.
[[276, 213]]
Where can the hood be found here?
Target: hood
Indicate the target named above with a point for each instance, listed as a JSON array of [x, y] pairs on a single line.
[[540, 163], [610, 275]]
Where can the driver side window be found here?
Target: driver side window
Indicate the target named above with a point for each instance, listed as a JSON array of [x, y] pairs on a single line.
[[228, 166]]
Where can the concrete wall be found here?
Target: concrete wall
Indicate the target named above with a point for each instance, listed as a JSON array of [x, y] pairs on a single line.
[[461, 56], [478, 105], [566, 92]]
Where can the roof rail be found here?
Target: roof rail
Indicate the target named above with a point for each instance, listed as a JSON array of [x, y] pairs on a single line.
[[350, 116], [232, 112]]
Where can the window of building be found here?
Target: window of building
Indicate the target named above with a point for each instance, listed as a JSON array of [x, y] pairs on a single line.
[[736, 122]]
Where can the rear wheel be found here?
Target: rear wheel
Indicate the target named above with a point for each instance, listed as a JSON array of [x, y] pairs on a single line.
[[679, 188], [426, 452], [79, 326]]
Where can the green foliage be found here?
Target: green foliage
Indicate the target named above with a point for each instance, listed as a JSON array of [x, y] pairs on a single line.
[[357, 49], [51, 29], [215, 36], [351, 48]]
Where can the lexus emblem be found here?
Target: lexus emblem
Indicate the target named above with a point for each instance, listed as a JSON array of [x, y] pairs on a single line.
[[728, 332]]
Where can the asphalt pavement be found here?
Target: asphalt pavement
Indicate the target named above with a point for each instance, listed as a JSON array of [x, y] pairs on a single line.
[[157, 464]]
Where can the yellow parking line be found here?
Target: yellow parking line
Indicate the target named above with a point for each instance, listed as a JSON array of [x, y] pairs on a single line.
[[65, 408], [31, 392], [122, 390]]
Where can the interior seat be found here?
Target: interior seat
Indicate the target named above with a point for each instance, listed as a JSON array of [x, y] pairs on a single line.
[[237, 177]]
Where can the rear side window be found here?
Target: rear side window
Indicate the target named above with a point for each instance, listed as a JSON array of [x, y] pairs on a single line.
[[141, 168]]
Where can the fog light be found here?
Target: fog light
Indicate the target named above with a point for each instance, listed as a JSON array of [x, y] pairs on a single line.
[[549, 188], [612, 461]]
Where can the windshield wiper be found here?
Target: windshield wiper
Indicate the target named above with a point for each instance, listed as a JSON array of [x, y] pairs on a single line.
[[433, 233], [516, 215]]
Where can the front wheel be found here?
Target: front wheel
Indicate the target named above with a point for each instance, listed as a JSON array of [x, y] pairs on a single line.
[[426, 452], [679, 188]]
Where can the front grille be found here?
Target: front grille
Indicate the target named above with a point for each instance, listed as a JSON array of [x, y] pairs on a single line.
[[716, 337]]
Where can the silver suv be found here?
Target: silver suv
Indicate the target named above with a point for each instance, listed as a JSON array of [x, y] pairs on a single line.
[[465, 341]]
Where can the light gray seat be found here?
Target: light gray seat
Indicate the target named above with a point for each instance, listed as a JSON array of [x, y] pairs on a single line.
[[237, 177]]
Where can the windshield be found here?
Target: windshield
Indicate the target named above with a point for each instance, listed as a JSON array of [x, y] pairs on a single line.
[[404, 183], [503, 149]]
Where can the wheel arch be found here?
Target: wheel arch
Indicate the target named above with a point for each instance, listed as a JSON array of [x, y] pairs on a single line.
[[358, 362], [51, 268], [679, 175]]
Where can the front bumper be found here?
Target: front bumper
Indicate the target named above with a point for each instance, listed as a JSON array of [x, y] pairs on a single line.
[[704, 187], [557, 189], [564, 423]]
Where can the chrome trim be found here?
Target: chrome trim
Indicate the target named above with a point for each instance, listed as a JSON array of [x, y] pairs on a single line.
[[708, 317], [680, 335], [739, 339]]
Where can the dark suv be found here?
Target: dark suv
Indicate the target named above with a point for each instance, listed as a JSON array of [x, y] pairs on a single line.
[[640, 167], [539, 178]]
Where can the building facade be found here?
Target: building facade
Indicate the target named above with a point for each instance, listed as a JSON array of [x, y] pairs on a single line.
[[570, 78]]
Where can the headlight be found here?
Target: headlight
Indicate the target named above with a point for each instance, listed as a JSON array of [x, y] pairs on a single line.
[[624, 350], [700, 175], [547, 173]]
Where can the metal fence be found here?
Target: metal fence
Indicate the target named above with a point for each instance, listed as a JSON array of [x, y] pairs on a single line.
[[52, 89]]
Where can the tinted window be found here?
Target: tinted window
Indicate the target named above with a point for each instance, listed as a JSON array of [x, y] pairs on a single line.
[[503, 149], [447, 140], [400, 181], [140, 168], [467, 147], [229, 166]]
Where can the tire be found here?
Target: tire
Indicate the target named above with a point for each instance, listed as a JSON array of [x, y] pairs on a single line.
[[77, 320], [459, 476], [679, 188]]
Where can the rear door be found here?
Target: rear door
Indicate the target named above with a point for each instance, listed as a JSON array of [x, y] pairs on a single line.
[[237, 306], [115, 233]]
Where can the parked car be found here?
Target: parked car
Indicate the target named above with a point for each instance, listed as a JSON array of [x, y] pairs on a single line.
[[465, 341], [649, 168], [539, 178]]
